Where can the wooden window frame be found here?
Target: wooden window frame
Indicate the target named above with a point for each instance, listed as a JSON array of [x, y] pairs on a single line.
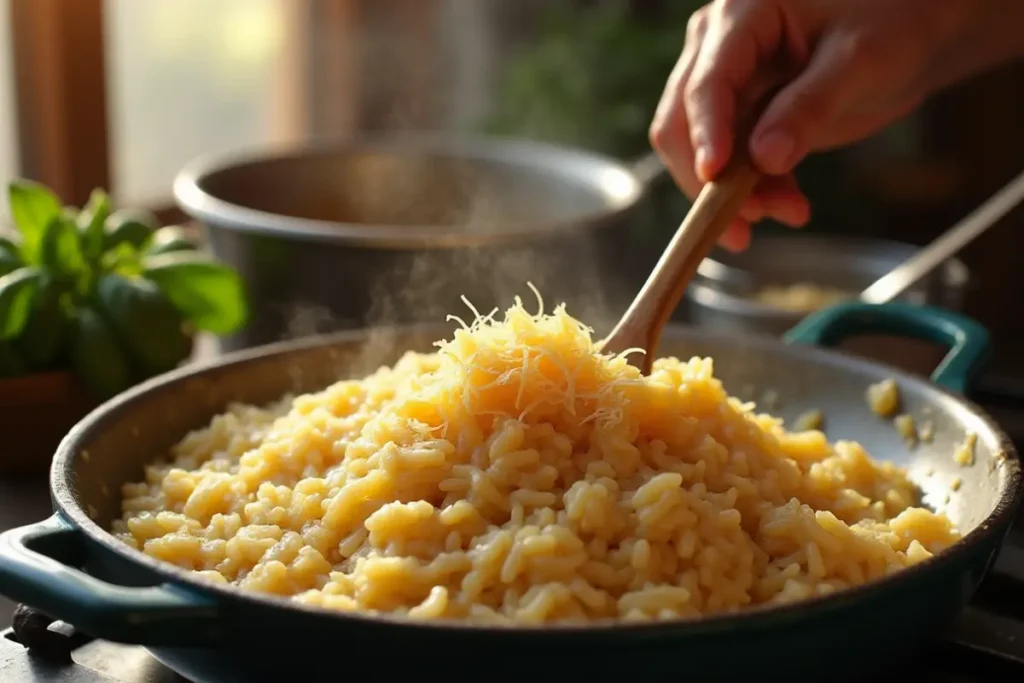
[[60, 83], [61, 97]]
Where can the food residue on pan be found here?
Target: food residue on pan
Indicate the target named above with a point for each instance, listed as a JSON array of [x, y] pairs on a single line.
[[884, 398], [801, 297], [809, 420], [964, 454], [927, 431], [997, 459], [769, 398], [907, 428], [518, 476]]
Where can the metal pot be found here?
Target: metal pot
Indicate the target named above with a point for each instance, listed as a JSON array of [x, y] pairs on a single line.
[[70, 568], [396, 230], [722, 295]]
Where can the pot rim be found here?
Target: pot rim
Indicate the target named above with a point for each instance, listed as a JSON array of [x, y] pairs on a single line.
[[718, 270], [763, 616], [611, 178], [713, 298], [709, 289], [715, 269]]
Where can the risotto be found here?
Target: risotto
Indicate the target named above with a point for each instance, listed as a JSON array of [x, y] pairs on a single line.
[[520, 476]]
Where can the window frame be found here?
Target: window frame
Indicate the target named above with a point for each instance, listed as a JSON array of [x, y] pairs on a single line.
[[60, 82], [60, 95]]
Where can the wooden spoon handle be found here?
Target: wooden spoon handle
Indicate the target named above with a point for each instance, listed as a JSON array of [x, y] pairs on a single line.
[[715, 208]]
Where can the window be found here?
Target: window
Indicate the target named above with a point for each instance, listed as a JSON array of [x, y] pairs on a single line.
[[122, 93], [8, 113], [191, 77]]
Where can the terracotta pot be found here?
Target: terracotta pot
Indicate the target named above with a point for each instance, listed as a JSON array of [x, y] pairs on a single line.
[[36, 411]]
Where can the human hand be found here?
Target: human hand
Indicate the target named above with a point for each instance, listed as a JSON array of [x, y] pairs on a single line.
[[861, 63]]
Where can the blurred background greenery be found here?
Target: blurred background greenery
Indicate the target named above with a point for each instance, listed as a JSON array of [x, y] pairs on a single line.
[[591, 77]]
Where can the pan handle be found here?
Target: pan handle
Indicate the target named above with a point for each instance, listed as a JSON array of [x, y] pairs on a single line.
[[39, 567], [968, 341]]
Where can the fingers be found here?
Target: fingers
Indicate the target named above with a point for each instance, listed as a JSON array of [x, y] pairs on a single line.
[[778, 198], [736, 237], [693, 126], [783, 201], [670, 127], [739, 36], [794, 122]]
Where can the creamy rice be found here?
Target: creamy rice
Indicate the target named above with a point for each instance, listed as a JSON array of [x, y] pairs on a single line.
[[518, 476]]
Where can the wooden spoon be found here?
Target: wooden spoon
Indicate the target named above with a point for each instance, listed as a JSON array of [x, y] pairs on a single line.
[[717, 205]]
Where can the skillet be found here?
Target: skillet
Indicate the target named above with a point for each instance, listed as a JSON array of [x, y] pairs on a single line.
[[69, 567]]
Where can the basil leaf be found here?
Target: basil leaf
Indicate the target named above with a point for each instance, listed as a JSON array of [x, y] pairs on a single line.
[[90, 223], [128, 226], [208, 294], [122, 259], [9, 245], [33, 206], [145, 321], [17, 291], [42, 340], [167, 239], [10, 256], [96, 356], [61, 250]]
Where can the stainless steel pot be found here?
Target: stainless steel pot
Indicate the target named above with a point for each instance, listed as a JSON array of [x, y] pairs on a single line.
[[395, 230], [722, 295], [71, 568]]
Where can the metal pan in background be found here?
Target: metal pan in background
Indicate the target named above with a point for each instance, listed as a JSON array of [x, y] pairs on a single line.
[[70, 567], [395, 229], [723, 295]]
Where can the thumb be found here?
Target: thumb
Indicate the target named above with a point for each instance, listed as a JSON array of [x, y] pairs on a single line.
[[789, 126]]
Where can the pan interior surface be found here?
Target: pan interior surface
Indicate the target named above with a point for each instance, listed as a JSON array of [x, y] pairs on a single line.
[[789, 381], [113, 445]]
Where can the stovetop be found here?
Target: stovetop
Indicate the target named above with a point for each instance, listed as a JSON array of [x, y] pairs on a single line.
[[986, 643]]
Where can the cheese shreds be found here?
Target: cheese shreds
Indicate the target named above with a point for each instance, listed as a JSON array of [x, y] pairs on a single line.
[[549, 360]]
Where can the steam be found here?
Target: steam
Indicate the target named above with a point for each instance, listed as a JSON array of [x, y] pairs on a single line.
[[405, 86], [423, 288]]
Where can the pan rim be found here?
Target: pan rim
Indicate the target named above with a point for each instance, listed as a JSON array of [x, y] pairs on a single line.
[[212, 210], [757, 617]]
